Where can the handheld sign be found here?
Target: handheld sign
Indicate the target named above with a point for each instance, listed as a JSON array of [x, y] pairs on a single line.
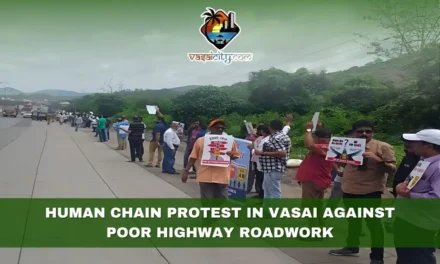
[[315, 120], [346, 150], [416, 174], [151, 109], [214, 150], [240, 170], [249, 127]]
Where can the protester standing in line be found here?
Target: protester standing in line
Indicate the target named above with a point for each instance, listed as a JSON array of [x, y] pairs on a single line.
[[191, 134], [102, 123], [276, 151], [314, 173], [121, 135], [336, 193], [213, 181], [408, 162], [143, 135], [170, 145], [263, 134], [108, 123], [251, 173], [96, 127], [203, 131], [117, 130], [157, 140], [135, 131], [366, 181], [419, 223], [124, 136], [78, 122]]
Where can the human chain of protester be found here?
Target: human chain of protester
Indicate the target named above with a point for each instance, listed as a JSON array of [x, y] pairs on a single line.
[[358, 164]]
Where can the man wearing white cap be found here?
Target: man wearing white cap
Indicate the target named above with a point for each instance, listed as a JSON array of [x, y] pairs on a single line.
[[419, 223]]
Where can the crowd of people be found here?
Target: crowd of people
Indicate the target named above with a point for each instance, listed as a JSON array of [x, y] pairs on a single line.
[[270, 151], [368, 180]]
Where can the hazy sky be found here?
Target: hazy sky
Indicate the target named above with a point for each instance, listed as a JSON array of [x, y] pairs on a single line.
[[77, 45]]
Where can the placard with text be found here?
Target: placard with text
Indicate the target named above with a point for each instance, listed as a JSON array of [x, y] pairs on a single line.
[[346, 150]]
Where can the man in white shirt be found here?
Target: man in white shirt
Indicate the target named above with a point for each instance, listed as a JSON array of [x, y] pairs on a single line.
[[78, 122], [170, 145]]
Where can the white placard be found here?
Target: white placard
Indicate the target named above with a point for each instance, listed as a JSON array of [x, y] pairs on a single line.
[[152, 109], [249, 127], [416, 174], [315, 120], [214, 150], [346, 150]]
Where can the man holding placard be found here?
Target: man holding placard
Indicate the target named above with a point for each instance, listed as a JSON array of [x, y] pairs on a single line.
[[366, 181], [273, 159], [419, 224], [213, 179]]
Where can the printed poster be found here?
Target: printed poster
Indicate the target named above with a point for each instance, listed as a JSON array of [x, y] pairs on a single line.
[[151, 109], [416, 174], [240, 170], [346, 150], [214, 150]]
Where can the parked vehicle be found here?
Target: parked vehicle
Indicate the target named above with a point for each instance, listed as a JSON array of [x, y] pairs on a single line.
[[10, 111], [42, 116]]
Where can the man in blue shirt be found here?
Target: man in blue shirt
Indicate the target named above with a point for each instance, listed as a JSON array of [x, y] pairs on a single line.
[[156, 142], [202, 132], [122, 135]]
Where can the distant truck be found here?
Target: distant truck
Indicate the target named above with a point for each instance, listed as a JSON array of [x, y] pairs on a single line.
[[10, 111], [40, 113], [39, 116]]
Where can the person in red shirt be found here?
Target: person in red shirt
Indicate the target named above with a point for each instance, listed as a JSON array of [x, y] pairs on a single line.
[[314, 173]]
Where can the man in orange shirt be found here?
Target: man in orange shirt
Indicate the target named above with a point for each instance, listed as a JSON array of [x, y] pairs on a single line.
[[213, 181]]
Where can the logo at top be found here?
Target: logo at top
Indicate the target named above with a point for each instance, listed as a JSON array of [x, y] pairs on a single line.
[[219, 28]]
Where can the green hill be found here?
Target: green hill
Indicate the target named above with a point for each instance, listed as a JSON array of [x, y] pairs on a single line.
[[394, 72], [397, 72], [60, 93], [9, 91]]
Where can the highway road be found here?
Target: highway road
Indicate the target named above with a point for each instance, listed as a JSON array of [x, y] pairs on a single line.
[[53, 161], [11, 129]]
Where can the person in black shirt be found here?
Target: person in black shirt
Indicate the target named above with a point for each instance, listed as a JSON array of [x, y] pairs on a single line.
[[408, 163], [135, 132], [107, 127], [143, 136]]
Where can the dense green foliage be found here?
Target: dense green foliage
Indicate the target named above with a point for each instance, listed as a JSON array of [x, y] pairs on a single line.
[[341, 97]]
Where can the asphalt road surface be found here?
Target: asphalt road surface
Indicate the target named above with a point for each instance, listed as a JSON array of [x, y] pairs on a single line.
[[11, 129]]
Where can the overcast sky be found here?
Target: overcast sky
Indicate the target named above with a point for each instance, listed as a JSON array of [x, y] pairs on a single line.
[[78, 45]]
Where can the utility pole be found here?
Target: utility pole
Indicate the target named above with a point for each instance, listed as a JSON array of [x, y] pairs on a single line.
[[5, 88]]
